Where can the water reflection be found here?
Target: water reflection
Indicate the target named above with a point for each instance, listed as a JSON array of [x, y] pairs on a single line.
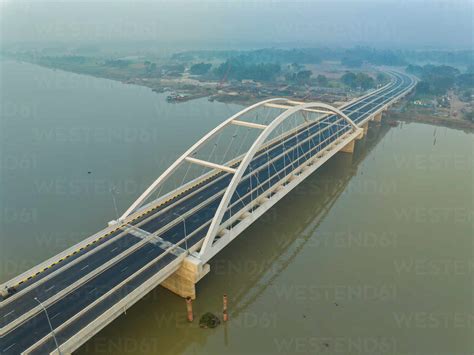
[[244, 270]]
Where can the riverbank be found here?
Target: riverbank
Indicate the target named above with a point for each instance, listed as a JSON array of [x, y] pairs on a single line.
[[181, 84], [454, 123], [245, 94], [272, 296]]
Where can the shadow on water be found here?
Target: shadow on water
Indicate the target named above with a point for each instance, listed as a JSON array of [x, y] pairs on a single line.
[[243, 271]]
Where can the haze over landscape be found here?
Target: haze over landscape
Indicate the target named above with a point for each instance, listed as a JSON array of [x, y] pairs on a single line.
[[237, 177], [230, 24]]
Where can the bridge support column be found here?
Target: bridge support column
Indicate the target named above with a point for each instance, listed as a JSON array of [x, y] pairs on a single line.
[[184, 280], [349, 147], [365, 128], [378, 117]]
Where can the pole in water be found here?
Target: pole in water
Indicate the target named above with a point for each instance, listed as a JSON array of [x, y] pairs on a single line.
[[225, 315], [189, 309]]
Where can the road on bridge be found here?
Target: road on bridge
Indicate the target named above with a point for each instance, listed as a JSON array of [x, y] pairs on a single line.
[[86, 283]]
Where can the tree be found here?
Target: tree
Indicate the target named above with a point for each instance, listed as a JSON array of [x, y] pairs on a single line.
[[364, 81], [303, 76], [174, 69], [149, 67], [440, 84], [351, 62], [361, 80], [381, 78], [423, 87], [437, 79], [200, 68], [322, 80], [236, 68], [414, 69], [349, 79], [466, 95], [119, 63], [465, 80], [296, 66], [440, 70]]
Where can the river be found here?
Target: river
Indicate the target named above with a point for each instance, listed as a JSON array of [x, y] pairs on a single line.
[[373, 254]]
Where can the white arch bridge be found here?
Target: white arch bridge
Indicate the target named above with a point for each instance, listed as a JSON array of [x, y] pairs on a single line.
[[203, 201]]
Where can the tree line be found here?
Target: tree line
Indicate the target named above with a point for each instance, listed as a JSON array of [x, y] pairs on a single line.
[[438, 79]]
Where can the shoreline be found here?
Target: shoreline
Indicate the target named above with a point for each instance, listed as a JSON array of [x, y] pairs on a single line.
[[191, 88], [246, 100], [452, 123]]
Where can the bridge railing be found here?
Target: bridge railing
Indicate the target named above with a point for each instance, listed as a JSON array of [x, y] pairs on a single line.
[[206, 250]]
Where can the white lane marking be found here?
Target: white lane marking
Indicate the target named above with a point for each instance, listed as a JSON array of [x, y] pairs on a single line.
[[50, 288], [85, 267], [92, 290], [6, 315], [57, 314], [6, 349], [125, 268], [114, 249]]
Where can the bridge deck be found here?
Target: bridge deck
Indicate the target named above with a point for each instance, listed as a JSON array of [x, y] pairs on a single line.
[[117, 266]]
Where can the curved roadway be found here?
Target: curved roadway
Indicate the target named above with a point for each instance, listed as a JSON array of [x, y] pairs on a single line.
[[82, 286]]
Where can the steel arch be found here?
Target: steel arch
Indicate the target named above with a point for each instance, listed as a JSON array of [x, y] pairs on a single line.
[[259, 141], [162, 178], [205, 252]]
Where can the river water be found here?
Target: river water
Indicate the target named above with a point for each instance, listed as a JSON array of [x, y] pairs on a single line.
[[373, 254]]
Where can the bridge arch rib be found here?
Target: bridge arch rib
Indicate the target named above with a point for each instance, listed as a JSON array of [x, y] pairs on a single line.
[[206, 249], [206, 138], [289, 108]]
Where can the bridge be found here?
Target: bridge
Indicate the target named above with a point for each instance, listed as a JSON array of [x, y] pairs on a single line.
[[203, 201]]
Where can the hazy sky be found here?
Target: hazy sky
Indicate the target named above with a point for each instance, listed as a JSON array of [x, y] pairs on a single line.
[[402, 23]]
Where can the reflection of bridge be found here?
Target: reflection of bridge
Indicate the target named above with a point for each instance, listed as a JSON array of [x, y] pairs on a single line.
[[183, 219], [274, 247], [327, 187]]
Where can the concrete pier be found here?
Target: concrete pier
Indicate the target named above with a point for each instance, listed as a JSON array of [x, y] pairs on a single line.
[[365, 128], [349, 148], [184, 280], [378, 117]]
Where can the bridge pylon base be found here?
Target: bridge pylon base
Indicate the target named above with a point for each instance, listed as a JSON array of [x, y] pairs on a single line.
[[378, 117], [349, 147], [183, 281], [365, 128]]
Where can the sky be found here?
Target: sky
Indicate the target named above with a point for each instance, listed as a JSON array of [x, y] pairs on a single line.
[[379, 23]]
